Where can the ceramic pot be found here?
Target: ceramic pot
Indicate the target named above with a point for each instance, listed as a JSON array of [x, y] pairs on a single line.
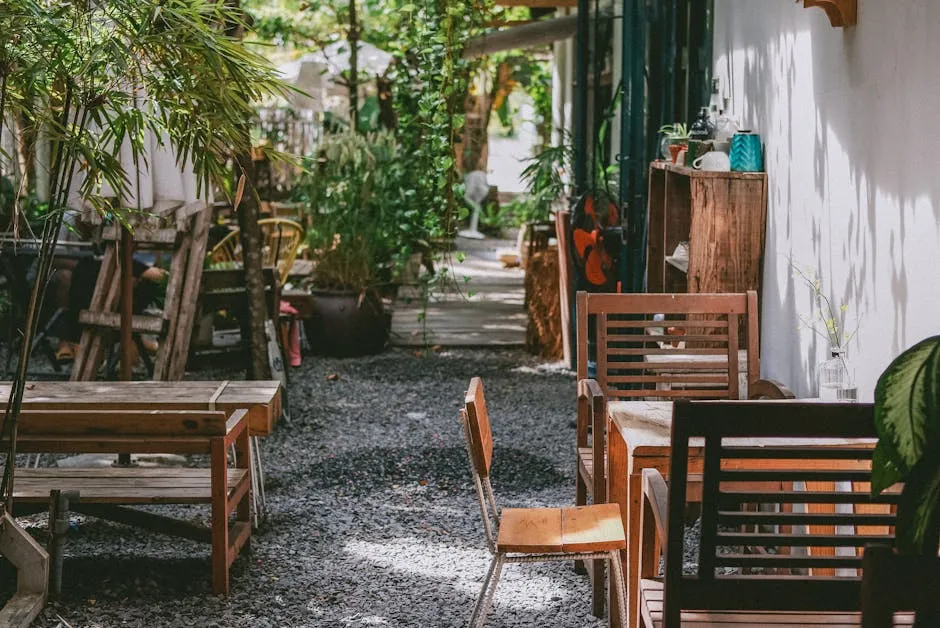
[[347, 323]]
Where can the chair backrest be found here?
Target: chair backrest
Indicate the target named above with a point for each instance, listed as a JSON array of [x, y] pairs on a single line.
[[480, 438], [693, 352], [281, 239], [899, 582], [793, 449], [476, 424]]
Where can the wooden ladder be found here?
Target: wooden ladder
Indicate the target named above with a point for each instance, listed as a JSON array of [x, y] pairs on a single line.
[[187, 240]]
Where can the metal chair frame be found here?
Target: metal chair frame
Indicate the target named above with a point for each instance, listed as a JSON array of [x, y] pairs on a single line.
[[491, 520]]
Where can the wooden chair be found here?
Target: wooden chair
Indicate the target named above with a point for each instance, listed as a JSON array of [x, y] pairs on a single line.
[[281, 239], [533, 534], [742, 445], [693, 352], [897, 582], [707, 366]]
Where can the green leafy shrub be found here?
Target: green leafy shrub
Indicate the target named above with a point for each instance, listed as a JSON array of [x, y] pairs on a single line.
[[907, 417]]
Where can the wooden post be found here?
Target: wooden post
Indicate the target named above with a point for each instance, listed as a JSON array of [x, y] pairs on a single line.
[[127, 311]]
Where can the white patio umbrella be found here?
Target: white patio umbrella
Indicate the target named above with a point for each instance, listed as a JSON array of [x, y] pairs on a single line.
[[371, 59]]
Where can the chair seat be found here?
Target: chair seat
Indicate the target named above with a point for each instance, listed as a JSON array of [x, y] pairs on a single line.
[[596, 528], [651, 610]]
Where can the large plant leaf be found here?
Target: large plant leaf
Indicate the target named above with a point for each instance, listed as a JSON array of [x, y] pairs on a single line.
[[886, 468], [918, 508], [907, 405]]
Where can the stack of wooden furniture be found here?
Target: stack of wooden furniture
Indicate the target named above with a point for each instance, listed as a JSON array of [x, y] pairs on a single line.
[[722, 215], [759, 576], [181, 230]]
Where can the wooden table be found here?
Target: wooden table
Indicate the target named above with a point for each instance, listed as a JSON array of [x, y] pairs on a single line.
[[262, 399], [638, 437]]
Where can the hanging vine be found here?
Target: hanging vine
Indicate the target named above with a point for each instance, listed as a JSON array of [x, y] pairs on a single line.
[[429, 102]]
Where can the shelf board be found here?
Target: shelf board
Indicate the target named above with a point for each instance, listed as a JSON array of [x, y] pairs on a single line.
[[705, 174]]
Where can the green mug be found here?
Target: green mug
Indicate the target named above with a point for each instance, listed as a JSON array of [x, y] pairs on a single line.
[[696, 149]]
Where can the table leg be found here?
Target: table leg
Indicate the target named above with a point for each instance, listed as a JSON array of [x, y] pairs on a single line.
[[635, 505], [617, 494]]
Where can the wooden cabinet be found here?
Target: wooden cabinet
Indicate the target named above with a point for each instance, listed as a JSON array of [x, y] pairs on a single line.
[[721, 215]]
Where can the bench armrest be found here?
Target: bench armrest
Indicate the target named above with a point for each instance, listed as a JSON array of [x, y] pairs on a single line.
[[236, 424], [656, 499], [653, 517], [768, 389], [589, 391]]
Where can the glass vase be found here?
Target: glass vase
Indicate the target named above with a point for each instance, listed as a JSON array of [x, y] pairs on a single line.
[[837, 377]]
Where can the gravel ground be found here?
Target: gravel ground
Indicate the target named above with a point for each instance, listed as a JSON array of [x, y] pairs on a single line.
[[373, 518]]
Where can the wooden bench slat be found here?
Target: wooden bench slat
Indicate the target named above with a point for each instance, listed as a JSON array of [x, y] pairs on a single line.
[[193, 486], [88, 422], [110, 445]]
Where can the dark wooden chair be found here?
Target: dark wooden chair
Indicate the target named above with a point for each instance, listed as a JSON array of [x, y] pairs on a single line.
[[772, 575], [896, 582], [633, 364]]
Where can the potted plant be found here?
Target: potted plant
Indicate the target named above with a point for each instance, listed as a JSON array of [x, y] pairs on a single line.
[[350, 193], [907, 417], [675, 138]]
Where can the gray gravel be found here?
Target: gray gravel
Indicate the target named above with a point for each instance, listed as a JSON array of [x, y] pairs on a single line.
[[373, 519]]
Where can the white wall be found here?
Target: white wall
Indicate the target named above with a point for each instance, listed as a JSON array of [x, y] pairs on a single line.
[[851, 121]]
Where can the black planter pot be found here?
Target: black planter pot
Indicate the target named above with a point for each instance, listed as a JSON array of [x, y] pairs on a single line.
[[347, 323]]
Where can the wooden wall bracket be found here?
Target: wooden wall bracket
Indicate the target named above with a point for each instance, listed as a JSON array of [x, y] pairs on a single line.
[[841, 12]]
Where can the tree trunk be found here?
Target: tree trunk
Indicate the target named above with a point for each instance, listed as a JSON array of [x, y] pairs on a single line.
[[248, 212], [250, 235], [353, 81]]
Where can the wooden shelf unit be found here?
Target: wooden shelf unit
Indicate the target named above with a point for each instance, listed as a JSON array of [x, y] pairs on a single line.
[[722, 215]]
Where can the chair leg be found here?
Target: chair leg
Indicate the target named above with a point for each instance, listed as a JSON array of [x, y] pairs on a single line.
[[258, 472], [598, 586], [482, 606], [580, 499], [616, 580]]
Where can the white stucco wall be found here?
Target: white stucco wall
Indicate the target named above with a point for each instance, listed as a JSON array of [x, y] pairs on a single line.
[[851, 122]]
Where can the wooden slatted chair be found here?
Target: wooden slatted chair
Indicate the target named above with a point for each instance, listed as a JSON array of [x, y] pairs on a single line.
[[533, 534], [897, 582], [634, 364], [773, 444], [281, 241]]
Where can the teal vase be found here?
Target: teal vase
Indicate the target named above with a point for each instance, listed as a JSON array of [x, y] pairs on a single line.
[[746, 153]]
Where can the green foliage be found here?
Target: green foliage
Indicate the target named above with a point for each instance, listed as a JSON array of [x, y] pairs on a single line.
[[677, 131], [545, 178], [907, 417], [94, 77], [494, 218], [353, 191], [429, 93]]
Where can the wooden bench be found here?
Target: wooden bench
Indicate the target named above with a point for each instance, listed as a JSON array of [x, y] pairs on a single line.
[[769, 572], [103, 492]]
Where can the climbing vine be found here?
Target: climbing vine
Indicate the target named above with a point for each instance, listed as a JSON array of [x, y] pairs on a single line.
[[429, 101]]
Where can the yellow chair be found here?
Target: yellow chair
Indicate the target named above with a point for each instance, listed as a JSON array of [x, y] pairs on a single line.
[[281, 239]]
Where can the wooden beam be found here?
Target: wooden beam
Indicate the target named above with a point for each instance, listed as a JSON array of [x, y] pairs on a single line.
[[540, 33], [501, 23], [841, 13], [538, 4]]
